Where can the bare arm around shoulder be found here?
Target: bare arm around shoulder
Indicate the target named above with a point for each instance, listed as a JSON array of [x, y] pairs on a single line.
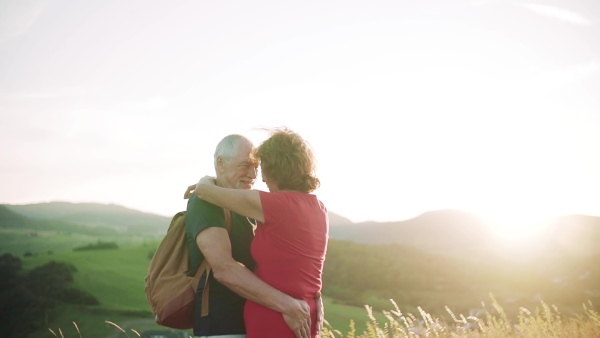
[[216, 247], [244, 202]]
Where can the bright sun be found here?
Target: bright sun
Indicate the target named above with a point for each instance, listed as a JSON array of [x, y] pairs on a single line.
[[516, 226]]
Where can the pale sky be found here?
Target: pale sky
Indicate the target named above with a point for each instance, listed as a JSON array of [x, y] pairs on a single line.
[[482, 106]]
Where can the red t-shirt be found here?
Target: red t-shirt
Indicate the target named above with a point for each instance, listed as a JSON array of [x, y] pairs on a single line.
[[289, 249]]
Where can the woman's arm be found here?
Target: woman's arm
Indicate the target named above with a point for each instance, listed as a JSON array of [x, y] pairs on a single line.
[[244, 202]]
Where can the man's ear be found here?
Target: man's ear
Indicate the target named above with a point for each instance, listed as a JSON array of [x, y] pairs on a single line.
[[220, 164]]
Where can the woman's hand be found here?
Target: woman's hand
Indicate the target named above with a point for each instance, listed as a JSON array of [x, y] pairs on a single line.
[[206, 180], [190, 190]]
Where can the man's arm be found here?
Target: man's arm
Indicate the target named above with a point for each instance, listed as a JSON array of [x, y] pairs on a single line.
[[215, 245]]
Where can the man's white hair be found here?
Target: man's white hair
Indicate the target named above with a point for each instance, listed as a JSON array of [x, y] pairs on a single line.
[[228, 147]]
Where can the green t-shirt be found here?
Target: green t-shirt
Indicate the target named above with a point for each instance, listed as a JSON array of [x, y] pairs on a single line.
[[226, 308]]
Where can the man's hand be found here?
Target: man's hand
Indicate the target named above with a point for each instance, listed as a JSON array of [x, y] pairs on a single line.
[[320, 311], [298, 319]]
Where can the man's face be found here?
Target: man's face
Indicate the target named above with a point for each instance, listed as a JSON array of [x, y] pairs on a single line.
[[240, 172]]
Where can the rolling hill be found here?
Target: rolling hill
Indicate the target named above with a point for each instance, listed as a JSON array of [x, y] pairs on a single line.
[[441, 231], [99, 215], [465, 234], [94, 215], [450, 232]]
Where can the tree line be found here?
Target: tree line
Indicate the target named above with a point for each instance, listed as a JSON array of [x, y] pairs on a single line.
[[29, 300]]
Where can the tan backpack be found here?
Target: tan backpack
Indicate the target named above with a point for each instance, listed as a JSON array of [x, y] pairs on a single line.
[[171, 292]]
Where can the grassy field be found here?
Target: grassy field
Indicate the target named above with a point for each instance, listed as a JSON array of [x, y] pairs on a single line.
[[20, 241], [116, 278]]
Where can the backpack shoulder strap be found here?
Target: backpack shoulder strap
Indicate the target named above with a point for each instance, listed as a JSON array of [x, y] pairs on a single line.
[[205, 267], [227, 220]]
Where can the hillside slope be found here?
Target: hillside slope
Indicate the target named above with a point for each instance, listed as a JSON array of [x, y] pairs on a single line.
[[467, 235], [93, 215]]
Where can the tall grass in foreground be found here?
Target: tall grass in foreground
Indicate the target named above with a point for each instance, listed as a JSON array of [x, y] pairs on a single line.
[[545, 321], [60, 334]]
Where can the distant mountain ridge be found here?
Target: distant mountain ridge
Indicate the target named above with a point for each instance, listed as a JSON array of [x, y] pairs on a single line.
[[90, 214], [84, 216], [103, 214], [61, 209], [463, 234], [442, 231], [335, 219]]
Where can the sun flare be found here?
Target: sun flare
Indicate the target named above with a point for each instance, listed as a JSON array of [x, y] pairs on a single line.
[[516, 226]]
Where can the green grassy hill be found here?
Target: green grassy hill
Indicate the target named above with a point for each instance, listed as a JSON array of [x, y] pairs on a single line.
[[115, 277], [21, 234], [111, 217]]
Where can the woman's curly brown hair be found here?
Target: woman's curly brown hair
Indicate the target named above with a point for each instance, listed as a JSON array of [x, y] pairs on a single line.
[[287, 158]]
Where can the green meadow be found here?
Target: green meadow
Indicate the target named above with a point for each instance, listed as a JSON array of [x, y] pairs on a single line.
[[20, 242], [116, 279]]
